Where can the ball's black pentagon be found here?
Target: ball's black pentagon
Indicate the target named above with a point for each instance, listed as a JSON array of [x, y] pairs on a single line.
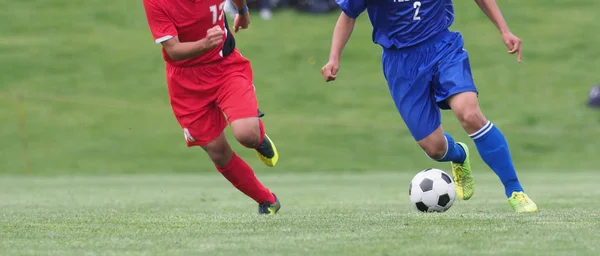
[[409, 188], [422, 207], [426, 185], [443, 200], [446, 178], [428, 169]]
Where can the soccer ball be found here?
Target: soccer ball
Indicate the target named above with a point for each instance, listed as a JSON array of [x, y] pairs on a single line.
[[432, 190]]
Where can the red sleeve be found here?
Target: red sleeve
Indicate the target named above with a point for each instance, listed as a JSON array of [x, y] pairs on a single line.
[[161, 26]]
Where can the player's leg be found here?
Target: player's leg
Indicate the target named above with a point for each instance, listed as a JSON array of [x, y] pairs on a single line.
[[203, 124], [490, 142], [441, 147], [455, 89], [492, 147], [438, 145], [240, 174], [237, 99], [207, 132], [409, 76], [250, 132]]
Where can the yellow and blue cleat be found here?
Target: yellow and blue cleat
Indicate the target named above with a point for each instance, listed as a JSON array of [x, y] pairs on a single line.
[[463, 177], [521, 203], [269, 208], [267, 152]]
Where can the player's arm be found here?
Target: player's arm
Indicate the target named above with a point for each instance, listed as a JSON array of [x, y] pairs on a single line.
[[491, 9], [341, 34], [180, 51], [240, 5], [242, 19]]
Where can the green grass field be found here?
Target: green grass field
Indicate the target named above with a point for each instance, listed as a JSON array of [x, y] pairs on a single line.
[[322, 214], [82, 86]]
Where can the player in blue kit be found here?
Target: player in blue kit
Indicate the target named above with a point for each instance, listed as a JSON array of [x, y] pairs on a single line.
[[427, 69]]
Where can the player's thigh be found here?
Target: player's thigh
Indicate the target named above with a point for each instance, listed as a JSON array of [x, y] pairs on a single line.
[[411, 91], [203, 126], [237, 94], [195, 108], [420, 114], [453, 73]]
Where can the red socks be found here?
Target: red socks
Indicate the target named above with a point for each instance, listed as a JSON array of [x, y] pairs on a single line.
[[241, 176]]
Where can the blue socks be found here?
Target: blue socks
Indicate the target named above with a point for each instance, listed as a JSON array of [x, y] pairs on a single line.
[[493, 148], [454, 153]]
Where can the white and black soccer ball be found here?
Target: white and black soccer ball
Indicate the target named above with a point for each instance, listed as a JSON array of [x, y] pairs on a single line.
[[432, 190]]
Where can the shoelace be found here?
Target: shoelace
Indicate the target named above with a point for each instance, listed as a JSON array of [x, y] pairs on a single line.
[[521, 198], [459, 175]]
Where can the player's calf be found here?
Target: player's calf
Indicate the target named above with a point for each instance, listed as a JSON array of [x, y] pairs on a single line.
[[219, 151]]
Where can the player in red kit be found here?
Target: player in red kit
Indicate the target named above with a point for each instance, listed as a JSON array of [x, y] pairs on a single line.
[[207, 79]]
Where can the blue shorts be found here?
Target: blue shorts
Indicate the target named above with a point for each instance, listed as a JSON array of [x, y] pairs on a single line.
[[422, 77]]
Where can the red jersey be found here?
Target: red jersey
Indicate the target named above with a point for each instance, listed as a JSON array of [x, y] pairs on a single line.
[[188, 19]]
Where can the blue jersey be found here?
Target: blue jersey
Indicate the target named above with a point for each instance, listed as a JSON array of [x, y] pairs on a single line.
[[402, 23]]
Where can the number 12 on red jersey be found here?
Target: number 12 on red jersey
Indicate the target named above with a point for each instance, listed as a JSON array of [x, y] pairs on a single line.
[[217, 12]]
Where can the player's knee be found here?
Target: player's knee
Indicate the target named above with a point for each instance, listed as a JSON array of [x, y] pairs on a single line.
[[434, 148], [473, 119], [246, 131], [434, 144], [248, 137], [435, 151]]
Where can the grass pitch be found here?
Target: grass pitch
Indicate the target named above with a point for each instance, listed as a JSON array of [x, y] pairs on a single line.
[[322, 214], [95, 111]]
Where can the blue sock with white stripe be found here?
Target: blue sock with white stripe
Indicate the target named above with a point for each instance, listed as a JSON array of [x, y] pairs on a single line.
[[493, 148], [454, 152]]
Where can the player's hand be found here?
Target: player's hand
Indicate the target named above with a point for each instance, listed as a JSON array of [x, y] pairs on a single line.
[[241, 21], [330, 70], [513, 43], [214, 37]]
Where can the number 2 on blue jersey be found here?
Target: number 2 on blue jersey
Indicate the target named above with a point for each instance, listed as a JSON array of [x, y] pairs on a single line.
[[417, 7]]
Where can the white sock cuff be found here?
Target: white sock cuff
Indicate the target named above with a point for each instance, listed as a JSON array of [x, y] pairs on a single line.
[[483, 131]]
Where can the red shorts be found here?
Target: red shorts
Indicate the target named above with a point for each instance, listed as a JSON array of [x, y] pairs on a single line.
[[200, 96]]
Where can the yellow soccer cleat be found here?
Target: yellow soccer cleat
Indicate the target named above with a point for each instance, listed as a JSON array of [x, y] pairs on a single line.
[[462, 176], [521, 203], [267, 152], [268, 208]]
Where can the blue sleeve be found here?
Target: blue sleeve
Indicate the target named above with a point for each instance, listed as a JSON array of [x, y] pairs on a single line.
[[352, 8]]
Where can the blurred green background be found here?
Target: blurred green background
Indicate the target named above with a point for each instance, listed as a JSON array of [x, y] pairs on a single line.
[[94, 98]]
